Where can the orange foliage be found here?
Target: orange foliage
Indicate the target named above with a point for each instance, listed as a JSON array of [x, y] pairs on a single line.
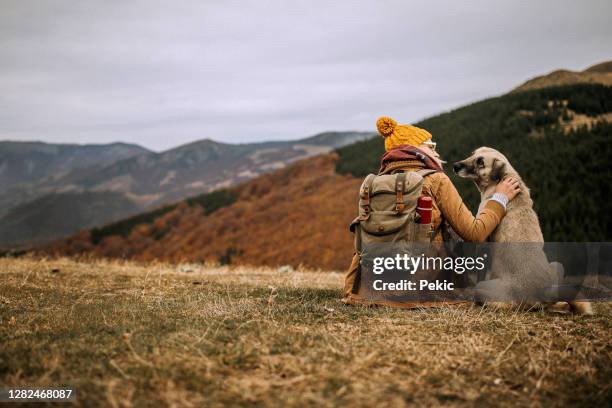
[[295, 216]]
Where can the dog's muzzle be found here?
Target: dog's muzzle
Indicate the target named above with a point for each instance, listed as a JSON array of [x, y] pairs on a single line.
[[457, 167]]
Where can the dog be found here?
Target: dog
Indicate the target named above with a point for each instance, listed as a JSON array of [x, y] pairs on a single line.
[[515, 268]]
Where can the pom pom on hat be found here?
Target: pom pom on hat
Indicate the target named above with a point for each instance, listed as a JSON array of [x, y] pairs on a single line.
[[385, 126]]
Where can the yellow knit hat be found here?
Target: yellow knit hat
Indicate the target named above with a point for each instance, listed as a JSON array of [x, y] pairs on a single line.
[[396, 135]]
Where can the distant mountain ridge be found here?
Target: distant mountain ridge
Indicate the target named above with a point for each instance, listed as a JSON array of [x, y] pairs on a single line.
[[150, 179], [597, 74], [203, 166], [26, 162]]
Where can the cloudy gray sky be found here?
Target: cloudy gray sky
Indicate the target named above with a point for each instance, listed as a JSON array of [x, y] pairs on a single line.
[[165, 73]]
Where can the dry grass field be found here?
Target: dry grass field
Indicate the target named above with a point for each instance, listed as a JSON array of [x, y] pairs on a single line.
[[127, 334]]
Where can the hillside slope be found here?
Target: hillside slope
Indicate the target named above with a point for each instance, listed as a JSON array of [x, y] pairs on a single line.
[[299, 215], [597, 74], [62, 214]]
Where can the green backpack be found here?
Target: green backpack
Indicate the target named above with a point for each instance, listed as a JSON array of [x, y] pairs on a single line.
[[387, 209], [387, 221]]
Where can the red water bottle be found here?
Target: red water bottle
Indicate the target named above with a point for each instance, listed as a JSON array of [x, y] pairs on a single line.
[[424, 206]]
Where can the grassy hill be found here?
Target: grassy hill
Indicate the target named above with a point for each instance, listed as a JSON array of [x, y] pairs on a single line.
[[124, 334], [557, 138]]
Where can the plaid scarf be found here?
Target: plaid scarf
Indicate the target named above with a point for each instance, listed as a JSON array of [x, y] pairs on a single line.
[[407, 152]]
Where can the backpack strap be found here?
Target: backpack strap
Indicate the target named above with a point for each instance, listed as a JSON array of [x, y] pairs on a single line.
[[367, 193], [400, 181]]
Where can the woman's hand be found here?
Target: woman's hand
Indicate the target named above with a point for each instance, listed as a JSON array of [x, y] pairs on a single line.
[[508, 187]]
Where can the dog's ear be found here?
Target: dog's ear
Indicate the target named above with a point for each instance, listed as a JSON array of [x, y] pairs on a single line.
[[498, 170]]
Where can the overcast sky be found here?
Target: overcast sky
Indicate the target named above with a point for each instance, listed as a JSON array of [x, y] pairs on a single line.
[[162, 74]]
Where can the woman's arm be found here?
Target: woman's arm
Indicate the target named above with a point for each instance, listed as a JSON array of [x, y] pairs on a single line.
[[470, 228]]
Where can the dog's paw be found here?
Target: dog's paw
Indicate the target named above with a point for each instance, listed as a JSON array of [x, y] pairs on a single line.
[[581, 308]]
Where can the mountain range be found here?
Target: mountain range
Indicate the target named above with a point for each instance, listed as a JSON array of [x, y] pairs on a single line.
[[557, 137], [39, 180], [28, 162]]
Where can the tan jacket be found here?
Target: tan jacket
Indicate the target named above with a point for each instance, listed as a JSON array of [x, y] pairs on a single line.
[[448, 207]]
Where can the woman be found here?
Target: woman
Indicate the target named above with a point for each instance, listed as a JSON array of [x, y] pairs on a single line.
[[409, 148]]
